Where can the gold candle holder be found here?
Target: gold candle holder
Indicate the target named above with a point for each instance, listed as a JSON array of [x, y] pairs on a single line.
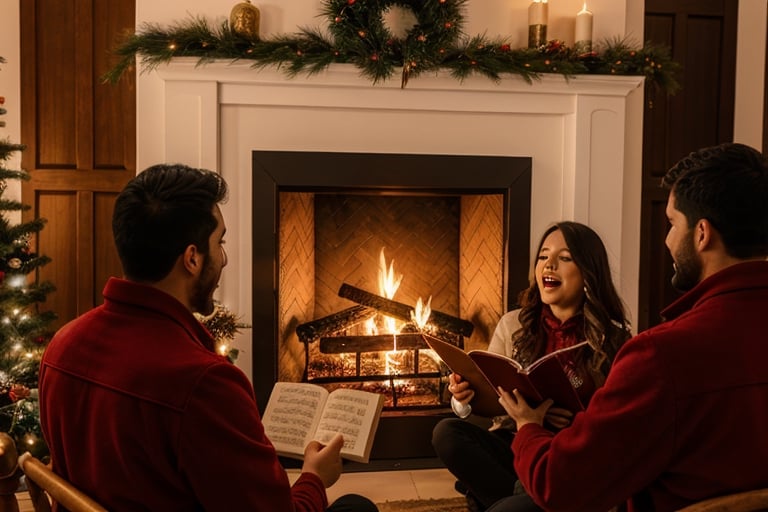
[[537, 36]]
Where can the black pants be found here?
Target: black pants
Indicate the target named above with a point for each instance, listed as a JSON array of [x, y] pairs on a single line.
[[352, 503], [519, 503], [479, 459]]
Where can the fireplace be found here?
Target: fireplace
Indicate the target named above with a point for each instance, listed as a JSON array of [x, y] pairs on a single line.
[[582, 135], [327, 219]]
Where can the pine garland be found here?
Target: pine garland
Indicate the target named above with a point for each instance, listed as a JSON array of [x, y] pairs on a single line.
[[224, 327], [357, 34]]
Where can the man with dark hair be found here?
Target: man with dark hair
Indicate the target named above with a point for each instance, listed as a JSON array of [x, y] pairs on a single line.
[[137, 408], [682, 416]]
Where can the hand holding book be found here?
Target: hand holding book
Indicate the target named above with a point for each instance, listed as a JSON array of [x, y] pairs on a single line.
[[486, 372]]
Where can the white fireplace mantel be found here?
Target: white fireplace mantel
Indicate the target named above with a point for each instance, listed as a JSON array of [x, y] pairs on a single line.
[[583, 134]]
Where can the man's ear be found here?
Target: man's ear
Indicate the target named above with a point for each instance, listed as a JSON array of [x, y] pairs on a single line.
[[703, 235], [192, 259]]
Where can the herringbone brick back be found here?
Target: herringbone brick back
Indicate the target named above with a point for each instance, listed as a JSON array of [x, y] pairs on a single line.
[[448, 247], [482, 268], [296, 280], [419, 237]]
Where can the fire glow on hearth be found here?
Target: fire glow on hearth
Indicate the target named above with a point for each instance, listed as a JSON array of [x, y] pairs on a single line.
[[377, 345]]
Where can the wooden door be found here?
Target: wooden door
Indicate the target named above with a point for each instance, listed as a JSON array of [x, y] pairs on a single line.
[[81, 141], [702, 35]]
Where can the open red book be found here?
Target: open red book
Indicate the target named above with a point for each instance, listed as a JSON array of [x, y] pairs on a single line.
[[544, 378]]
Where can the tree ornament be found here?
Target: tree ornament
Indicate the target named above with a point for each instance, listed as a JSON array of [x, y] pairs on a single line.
[[244, 20]]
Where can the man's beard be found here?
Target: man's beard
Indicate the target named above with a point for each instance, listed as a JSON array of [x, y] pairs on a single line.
[[687, 265], [202, 294]]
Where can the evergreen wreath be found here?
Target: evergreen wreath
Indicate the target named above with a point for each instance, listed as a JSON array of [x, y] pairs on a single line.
[[358, 34], [361, 33]]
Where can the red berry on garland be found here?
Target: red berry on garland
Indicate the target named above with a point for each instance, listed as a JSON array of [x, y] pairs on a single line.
[[374, 57], [351, 2], [448, 24], [421, 38], [361, 33], [337, 19]]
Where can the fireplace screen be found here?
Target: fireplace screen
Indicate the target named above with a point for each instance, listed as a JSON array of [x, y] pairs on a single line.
[[368, 250]]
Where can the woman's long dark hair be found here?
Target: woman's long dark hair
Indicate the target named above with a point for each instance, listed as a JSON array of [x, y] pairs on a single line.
[[605, 324]]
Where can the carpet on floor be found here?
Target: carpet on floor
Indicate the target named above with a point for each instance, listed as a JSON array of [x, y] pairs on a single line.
[[438, 505]]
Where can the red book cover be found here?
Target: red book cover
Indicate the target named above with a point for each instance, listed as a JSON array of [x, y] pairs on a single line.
[[485, 371]]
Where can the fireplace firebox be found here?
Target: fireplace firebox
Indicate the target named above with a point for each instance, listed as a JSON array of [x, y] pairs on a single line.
[[455, 227]]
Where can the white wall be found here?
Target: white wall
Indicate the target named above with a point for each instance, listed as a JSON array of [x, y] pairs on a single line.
[[750, 72], [492, 17], [508, 18]]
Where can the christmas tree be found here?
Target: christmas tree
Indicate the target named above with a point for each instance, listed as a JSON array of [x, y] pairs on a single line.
[[24, 328]]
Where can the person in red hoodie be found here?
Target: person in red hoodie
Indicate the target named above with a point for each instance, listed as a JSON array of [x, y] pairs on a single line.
[[681, 417], [137, 408]]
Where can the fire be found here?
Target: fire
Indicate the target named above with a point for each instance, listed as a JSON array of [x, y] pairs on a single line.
[[420, 315], [389, 282]]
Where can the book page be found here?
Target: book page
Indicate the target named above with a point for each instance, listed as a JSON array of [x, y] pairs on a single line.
[[292, 415], [355, 415], [555, 354]]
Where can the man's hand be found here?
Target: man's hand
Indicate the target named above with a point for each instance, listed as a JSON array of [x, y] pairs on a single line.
[[558, 417], [460, 389], [519, 410], [324, 461]]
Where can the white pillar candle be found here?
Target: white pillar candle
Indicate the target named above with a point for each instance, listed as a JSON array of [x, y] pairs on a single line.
[[584, 28], [538, 12]]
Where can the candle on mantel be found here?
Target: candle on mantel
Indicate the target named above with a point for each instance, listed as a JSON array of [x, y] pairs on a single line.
[[537, 23], [584, 30], [537, 12]]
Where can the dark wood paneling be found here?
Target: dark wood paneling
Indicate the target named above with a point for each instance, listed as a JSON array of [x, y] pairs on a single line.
[[105, 260], [57, 91], [702, 36], [81, 140], [58, 238]]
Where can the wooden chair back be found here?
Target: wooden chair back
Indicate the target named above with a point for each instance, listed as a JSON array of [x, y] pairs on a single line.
[[747, 501], [43, 484]]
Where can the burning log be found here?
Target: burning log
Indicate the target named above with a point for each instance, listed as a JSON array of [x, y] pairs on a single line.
[[377, 343], [310, 331], [402, 311]]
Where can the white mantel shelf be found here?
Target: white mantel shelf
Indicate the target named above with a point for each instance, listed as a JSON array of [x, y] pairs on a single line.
[[240, 81], [583, 134]]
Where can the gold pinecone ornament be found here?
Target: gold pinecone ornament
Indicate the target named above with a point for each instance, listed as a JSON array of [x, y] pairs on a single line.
[[244, 20]]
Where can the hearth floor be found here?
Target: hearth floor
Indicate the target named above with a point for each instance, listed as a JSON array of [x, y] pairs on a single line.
[[381, 486], [378, 486]]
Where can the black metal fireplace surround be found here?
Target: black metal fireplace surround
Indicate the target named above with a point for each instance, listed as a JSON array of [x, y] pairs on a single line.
[[403, 437]]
